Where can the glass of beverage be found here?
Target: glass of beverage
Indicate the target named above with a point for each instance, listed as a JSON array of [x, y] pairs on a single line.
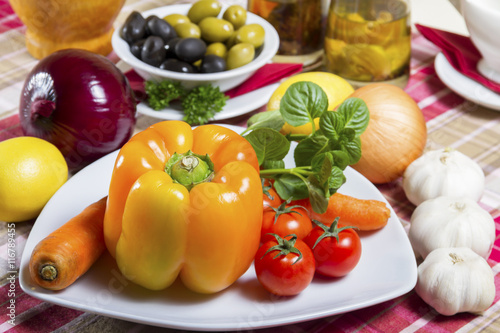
[[369, 41], [53, 25], [300, 25]]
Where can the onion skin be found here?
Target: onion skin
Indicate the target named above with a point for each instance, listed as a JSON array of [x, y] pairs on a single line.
[[396, 134], [79, 101]]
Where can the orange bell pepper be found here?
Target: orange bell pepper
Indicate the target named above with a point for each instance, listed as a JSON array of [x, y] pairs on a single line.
[[184, 203]]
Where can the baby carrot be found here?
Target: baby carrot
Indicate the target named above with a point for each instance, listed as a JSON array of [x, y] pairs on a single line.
[[360, 213], [68, 252]]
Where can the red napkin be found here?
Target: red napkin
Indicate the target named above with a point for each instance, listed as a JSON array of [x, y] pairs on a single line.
[[267, 74], [460, 52], [137, 84]]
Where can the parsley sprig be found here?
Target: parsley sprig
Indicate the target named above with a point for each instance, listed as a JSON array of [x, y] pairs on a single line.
[[199, 104], [160, 94]]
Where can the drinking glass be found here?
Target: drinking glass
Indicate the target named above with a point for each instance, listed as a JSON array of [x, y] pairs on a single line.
[[53, 25]]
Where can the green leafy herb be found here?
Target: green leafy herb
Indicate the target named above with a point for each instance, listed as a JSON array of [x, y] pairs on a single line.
[[273, 164], [309, 148], [302, 103], [270, 119], [199, 104], [160, 94], [269, 144], [202, 103], [292, 185], [320, 157]]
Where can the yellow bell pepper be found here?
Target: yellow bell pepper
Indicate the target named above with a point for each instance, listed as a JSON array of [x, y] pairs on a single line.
[[184, 203]]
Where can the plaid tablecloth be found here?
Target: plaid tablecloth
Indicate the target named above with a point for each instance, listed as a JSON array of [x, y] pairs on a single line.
[[451, 120]]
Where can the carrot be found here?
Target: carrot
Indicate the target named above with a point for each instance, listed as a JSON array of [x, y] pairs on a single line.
[[360, 213], [68, 252]]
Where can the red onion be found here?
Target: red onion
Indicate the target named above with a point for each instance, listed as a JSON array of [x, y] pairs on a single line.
[[79, 101]]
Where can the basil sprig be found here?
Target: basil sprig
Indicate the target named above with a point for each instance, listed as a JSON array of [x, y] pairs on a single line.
[[320, 157]]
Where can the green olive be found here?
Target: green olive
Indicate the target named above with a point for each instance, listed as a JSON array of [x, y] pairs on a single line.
[[218, 49], [214, 29], [203, 8], [251, 33], [235, 14], [175, 19], [187, 29], [231, 40], [239, 55]]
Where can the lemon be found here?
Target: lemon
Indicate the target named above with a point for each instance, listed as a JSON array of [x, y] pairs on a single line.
[[31, 171], [336, 88]]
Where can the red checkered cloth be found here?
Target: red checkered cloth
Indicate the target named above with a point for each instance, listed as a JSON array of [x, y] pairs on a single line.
[[451, 121]]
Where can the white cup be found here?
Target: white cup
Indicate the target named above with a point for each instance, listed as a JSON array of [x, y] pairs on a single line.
[[482, 18]]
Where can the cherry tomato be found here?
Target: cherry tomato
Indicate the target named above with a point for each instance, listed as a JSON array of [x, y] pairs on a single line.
[[284, 266], [286, 219], [336, 250], [270, 196]]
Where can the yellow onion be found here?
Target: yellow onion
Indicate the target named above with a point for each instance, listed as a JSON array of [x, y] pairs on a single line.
[[396, 134]]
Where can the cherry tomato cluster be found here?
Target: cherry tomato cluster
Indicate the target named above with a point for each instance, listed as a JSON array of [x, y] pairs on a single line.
[[293, 250]]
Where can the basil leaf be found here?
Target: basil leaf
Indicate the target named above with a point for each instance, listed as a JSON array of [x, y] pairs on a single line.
[[302, 102], [336, 180], [268, 144], [347, 134], [273, 164], [337, 158], [270, 119], [353, 150], [308, 148], [290, 186], [322, 164], [340, 158], [355, 114], [318, 197], [331, 124]]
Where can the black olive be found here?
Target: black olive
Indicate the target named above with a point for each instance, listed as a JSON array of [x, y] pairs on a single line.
[[136, 48], [170, 47], [212, 63], [134, 28], [158, 27], [153, 51], [190, 49], [149, 24], [176, 65]]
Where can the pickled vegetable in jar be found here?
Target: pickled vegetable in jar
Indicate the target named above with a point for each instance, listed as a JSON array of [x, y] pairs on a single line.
[[299, 23], [368, 40]]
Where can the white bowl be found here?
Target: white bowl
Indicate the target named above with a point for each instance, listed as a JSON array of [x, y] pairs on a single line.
[[482, 18], [224, 80]]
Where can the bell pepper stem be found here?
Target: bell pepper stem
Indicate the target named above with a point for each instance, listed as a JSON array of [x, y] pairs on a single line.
[[190, 169], [189, 163]]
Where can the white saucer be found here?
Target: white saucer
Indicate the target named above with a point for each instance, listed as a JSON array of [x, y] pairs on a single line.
[[488, 71], [464, 86], [234, 107]]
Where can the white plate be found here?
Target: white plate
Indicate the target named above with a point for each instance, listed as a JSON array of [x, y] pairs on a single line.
[[234, 107], [464, 86], [387, 269]]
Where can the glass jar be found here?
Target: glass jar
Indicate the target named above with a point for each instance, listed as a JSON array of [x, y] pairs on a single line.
[[300, 25], [369, 41]]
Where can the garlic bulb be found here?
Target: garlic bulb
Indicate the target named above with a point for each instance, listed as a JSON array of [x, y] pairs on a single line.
[[451, 222], [454, 280], [443, 172]]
